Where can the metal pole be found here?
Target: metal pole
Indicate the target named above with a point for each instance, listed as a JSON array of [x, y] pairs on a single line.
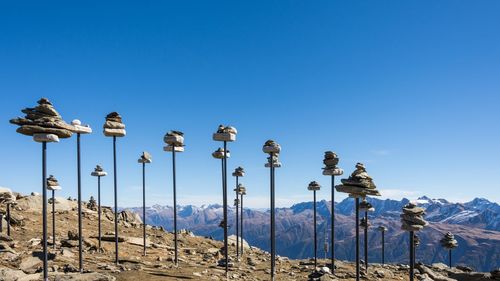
[[449, 257], [1, 222], [237, 223], [115, 199], [241, 224], [412, 249], [366, 242], [333, 224], [99, 208], [225, 207], [315, 234], [383, 247], [273, 249], [8, 219], [175, 204], [80, 232], [53, 220], [357, 238], [44, 210], [144, 207]]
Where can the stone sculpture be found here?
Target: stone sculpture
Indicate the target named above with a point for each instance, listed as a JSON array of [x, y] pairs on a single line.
[[145, 158], [92, 204], [78, 128], [239, 172], [314, 186], [219, 153], [174, 139], [449, 242], [331, 161], [225, 133], [412, 218], [114, 127], [359, 184], [98, 172], [366, 206], [52, 183]]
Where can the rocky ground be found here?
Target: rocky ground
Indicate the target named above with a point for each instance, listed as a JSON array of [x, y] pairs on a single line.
[[199, 256]]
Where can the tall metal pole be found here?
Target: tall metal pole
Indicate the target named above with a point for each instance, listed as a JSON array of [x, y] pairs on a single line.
[[224, 183], [412, 249], [80, 232], [333, 224], [383, 247], [315, 234], [8, 219], [99, 208], [53, 220], [44, 210], [144, 207], [175, 204], [366, 241], [237, 222], [115, 199], [273, 249], [1, 223], [241, 224], [449, 257], [357, 238]]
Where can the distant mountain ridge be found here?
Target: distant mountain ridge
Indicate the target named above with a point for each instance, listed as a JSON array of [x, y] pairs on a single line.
[[476, 225]]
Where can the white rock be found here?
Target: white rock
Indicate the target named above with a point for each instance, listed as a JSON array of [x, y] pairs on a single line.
[[224, 137], [333, 172], [177, 148], [82, 129], [45, 138], [98, 174], [114, 132]]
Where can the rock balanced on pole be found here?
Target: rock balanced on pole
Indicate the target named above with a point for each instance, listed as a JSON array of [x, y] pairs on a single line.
[[144, 159], [273, 149], [224, 134], [449, 242], [331, 161], [53, 185], [315, 186], [366, 207], [412, 220], [45, 125], [358, 185], [382, 230], [175, 143], [99, 172], [114, 127], [238, 172], [9, 199]]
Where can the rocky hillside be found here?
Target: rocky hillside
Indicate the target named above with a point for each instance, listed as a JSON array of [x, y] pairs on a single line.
[[199, 256], [475, 225]]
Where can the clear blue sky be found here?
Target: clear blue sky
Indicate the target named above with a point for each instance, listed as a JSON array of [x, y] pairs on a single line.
[[411, 88]]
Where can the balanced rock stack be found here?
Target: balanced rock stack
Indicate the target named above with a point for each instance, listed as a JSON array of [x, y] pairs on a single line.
[[114, 127], [273, 149], [364, 223], [416, 240], [92, 204], [43, 122], [225, 133], [145, 158], [412, 218], [359, 184], [366, 206], [174, 139], [239, 172], [98, 172], [382, 228], [7, 197], [79, 128], [331, 161], [241, 189], [52, 183], [313, 186], [449, 242], [219, 153]]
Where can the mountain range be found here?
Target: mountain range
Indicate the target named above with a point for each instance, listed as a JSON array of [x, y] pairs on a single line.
[[476, 225]]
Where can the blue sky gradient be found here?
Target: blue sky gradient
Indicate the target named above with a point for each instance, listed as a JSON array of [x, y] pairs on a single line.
[[410, 88]]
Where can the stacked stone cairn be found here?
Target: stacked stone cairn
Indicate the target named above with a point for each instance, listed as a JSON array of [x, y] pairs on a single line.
[[174, 139], [241, 189], [52, 183], [331, 161], [7, 198], [416, 240], [114, 127], [412, 218], [78, 128], [219, 153], [43, 122], [366, 206], [359, 184], [314, 186], [98, 172], [449, 242], [225, 133], [363, 223], [92, 204], [239, 172], [273, 149], [145, 158]]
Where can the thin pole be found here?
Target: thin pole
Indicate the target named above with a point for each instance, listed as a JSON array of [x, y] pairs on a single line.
[[383, 247], [224, 183], [366, 241], [333, 224], [315, 234], [115, 199], [273, 250], [175, 204], [44, 210], [237, 223], [412, 249], [80, 232], [357, 238], [99, 208], [53, 220], [8, 219], [241, 224], [144, 207], [1, 222], [449, 257]]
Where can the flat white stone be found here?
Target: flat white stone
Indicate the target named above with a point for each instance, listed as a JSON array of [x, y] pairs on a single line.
[[177, 148], [224, 137], [220, 155], [238, 174], [146, 161], [271, 149], [82, 129], [56, 187], [275, 165], [99, 174], [114, 132], [174, 140], [45, 138], [333, 172]]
